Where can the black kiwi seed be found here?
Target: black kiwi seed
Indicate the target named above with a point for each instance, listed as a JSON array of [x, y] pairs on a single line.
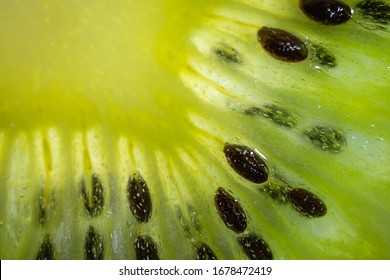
[[46, 251], [145, 248], [139, 198], [203, 252], [306, 203], [255, 247], [42, 214], [230, 211], [95, 206], [94, 247], [377, 11], [275, 113], [282, 45], [329, 12], [326, 138], [246, 163]]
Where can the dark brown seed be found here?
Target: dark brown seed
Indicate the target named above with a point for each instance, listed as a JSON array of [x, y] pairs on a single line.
[[203, 252], [139, 199], [255, 247], [46, 251], [377, 11], [145, 248], [329, 12], [95, 206], [230, 210], [282, 45], [306, 203], [42, 213], [94, 247], [246, 163]]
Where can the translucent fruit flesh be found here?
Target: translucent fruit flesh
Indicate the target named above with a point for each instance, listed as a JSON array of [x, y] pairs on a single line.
[[95, 96]]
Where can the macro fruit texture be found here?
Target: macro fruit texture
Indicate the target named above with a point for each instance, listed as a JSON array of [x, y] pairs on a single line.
[[172, 129]]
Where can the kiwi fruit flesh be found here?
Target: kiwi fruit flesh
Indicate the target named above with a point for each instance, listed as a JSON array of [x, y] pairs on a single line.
[[240, 129]]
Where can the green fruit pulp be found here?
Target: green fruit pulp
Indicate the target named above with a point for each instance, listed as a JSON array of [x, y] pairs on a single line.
[[96, 88]]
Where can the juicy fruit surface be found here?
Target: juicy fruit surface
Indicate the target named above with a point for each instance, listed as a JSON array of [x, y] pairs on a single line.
[[139, 131]]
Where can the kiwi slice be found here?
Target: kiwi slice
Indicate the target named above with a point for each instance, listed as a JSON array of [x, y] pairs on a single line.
[[171, 129]]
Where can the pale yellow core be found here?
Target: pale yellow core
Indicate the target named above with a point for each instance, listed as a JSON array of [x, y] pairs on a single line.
[[114, 64]]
